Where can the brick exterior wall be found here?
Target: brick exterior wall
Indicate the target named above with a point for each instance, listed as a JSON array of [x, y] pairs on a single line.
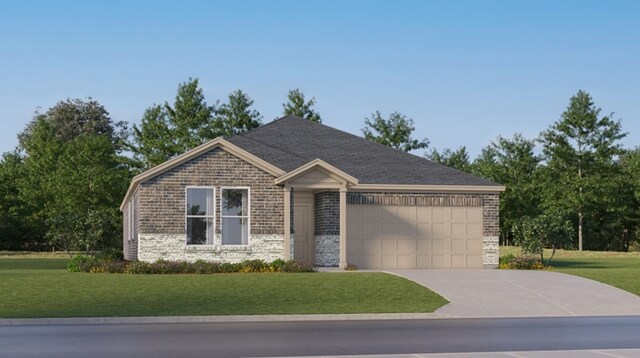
[[327, 213], [162, 199], [161, 209]]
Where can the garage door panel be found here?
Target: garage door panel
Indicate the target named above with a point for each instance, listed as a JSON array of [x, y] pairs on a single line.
[[423, 245], [441, 261], [423, 261], [406, 229], [370, 245], [389, 213], [474, 261], [441, 213], [474, 245], [474, 229], [370, 261], [441, 229], [406, 261], [389, 261], [458, 245], [390, 237], [440, 245], [458, 229], [458, 214], [474, 214], [388, 230], [389, 245], [423, 230], [423, 214], [406, 245], [458, 260]]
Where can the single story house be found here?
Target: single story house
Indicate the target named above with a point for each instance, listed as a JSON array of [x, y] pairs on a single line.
[[295, 189]]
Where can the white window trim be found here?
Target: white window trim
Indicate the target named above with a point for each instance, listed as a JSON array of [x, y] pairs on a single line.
[[186, 216], [230, 216]]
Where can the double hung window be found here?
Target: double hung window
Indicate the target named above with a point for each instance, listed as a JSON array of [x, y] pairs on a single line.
[[234, 216], [200, 215]]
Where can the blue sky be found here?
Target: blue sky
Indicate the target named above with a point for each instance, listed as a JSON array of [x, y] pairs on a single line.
[[465, 71]]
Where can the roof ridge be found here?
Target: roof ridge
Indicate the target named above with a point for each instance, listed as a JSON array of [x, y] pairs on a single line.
[[276, 148], [264, 125]]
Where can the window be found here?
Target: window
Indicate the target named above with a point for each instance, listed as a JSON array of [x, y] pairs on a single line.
[[200, 211], [234, 216]]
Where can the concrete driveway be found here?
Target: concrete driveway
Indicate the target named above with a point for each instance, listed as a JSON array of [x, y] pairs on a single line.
[[513, 293]]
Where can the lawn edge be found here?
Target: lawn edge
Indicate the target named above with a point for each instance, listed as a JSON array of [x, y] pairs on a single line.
[[217, 319]]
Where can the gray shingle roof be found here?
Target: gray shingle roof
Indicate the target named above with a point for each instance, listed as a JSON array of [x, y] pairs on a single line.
[[290, 142]]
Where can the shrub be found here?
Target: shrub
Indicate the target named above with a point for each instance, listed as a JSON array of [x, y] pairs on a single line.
[[506, 259], [84, 263], [81, 263], [351, 267], [522, 263]]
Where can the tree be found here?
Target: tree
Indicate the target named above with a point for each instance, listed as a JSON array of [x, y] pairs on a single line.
[[512, 162], [192, 119], [458, 159], [533, 234], [236, 116], [169, 130], [15, 231], [579, 150], [73, 174], [394, 132], [297, 106], [73, 117], [153, 140]]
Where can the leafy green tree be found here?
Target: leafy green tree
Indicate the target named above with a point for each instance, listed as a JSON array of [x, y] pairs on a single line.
[[72, 174], [298, 106], [170, 130], [236, 116], [15, 231], [192, 119], [617, 219], [579, 150], [458, 159], [533, 234], [73, 117], [153, 140], [394, 132], [512, 162]]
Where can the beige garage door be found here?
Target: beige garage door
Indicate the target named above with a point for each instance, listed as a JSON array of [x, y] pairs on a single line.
[[391, 237]]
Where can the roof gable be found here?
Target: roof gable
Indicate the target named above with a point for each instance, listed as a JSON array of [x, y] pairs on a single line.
[[195, 152]]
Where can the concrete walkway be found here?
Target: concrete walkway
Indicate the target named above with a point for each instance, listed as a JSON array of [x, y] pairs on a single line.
[[514, 293]]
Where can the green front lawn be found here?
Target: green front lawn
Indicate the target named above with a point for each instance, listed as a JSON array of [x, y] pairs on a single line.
[[622, 272], [618, 269], [41, 287]]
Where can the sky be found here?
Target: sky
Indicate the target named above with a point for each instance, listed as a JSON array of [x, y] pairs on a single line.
[[464, 71]]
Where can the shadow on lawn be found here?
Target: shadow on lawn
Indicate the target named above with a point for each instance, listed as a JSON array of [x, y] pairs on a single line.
[[578, 264]]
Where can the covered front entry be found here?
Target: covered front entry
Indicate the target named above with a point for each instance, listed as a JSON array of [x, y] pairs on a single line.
[[398, 237]]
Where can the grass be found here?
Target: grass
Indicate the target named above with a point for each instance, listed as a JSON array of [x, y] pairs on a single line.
[[618, 269], [41, 287]]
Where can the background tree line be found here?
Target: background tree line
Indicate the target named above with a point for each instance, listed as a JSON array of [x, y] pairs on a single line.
[[62, 186]]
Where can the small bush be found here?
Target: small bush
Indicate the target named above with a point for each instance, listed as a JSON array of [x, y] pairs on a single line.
[[522, 263], [110, 255], [81, 263], [91, 264], [351, 267], [506, 259]]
